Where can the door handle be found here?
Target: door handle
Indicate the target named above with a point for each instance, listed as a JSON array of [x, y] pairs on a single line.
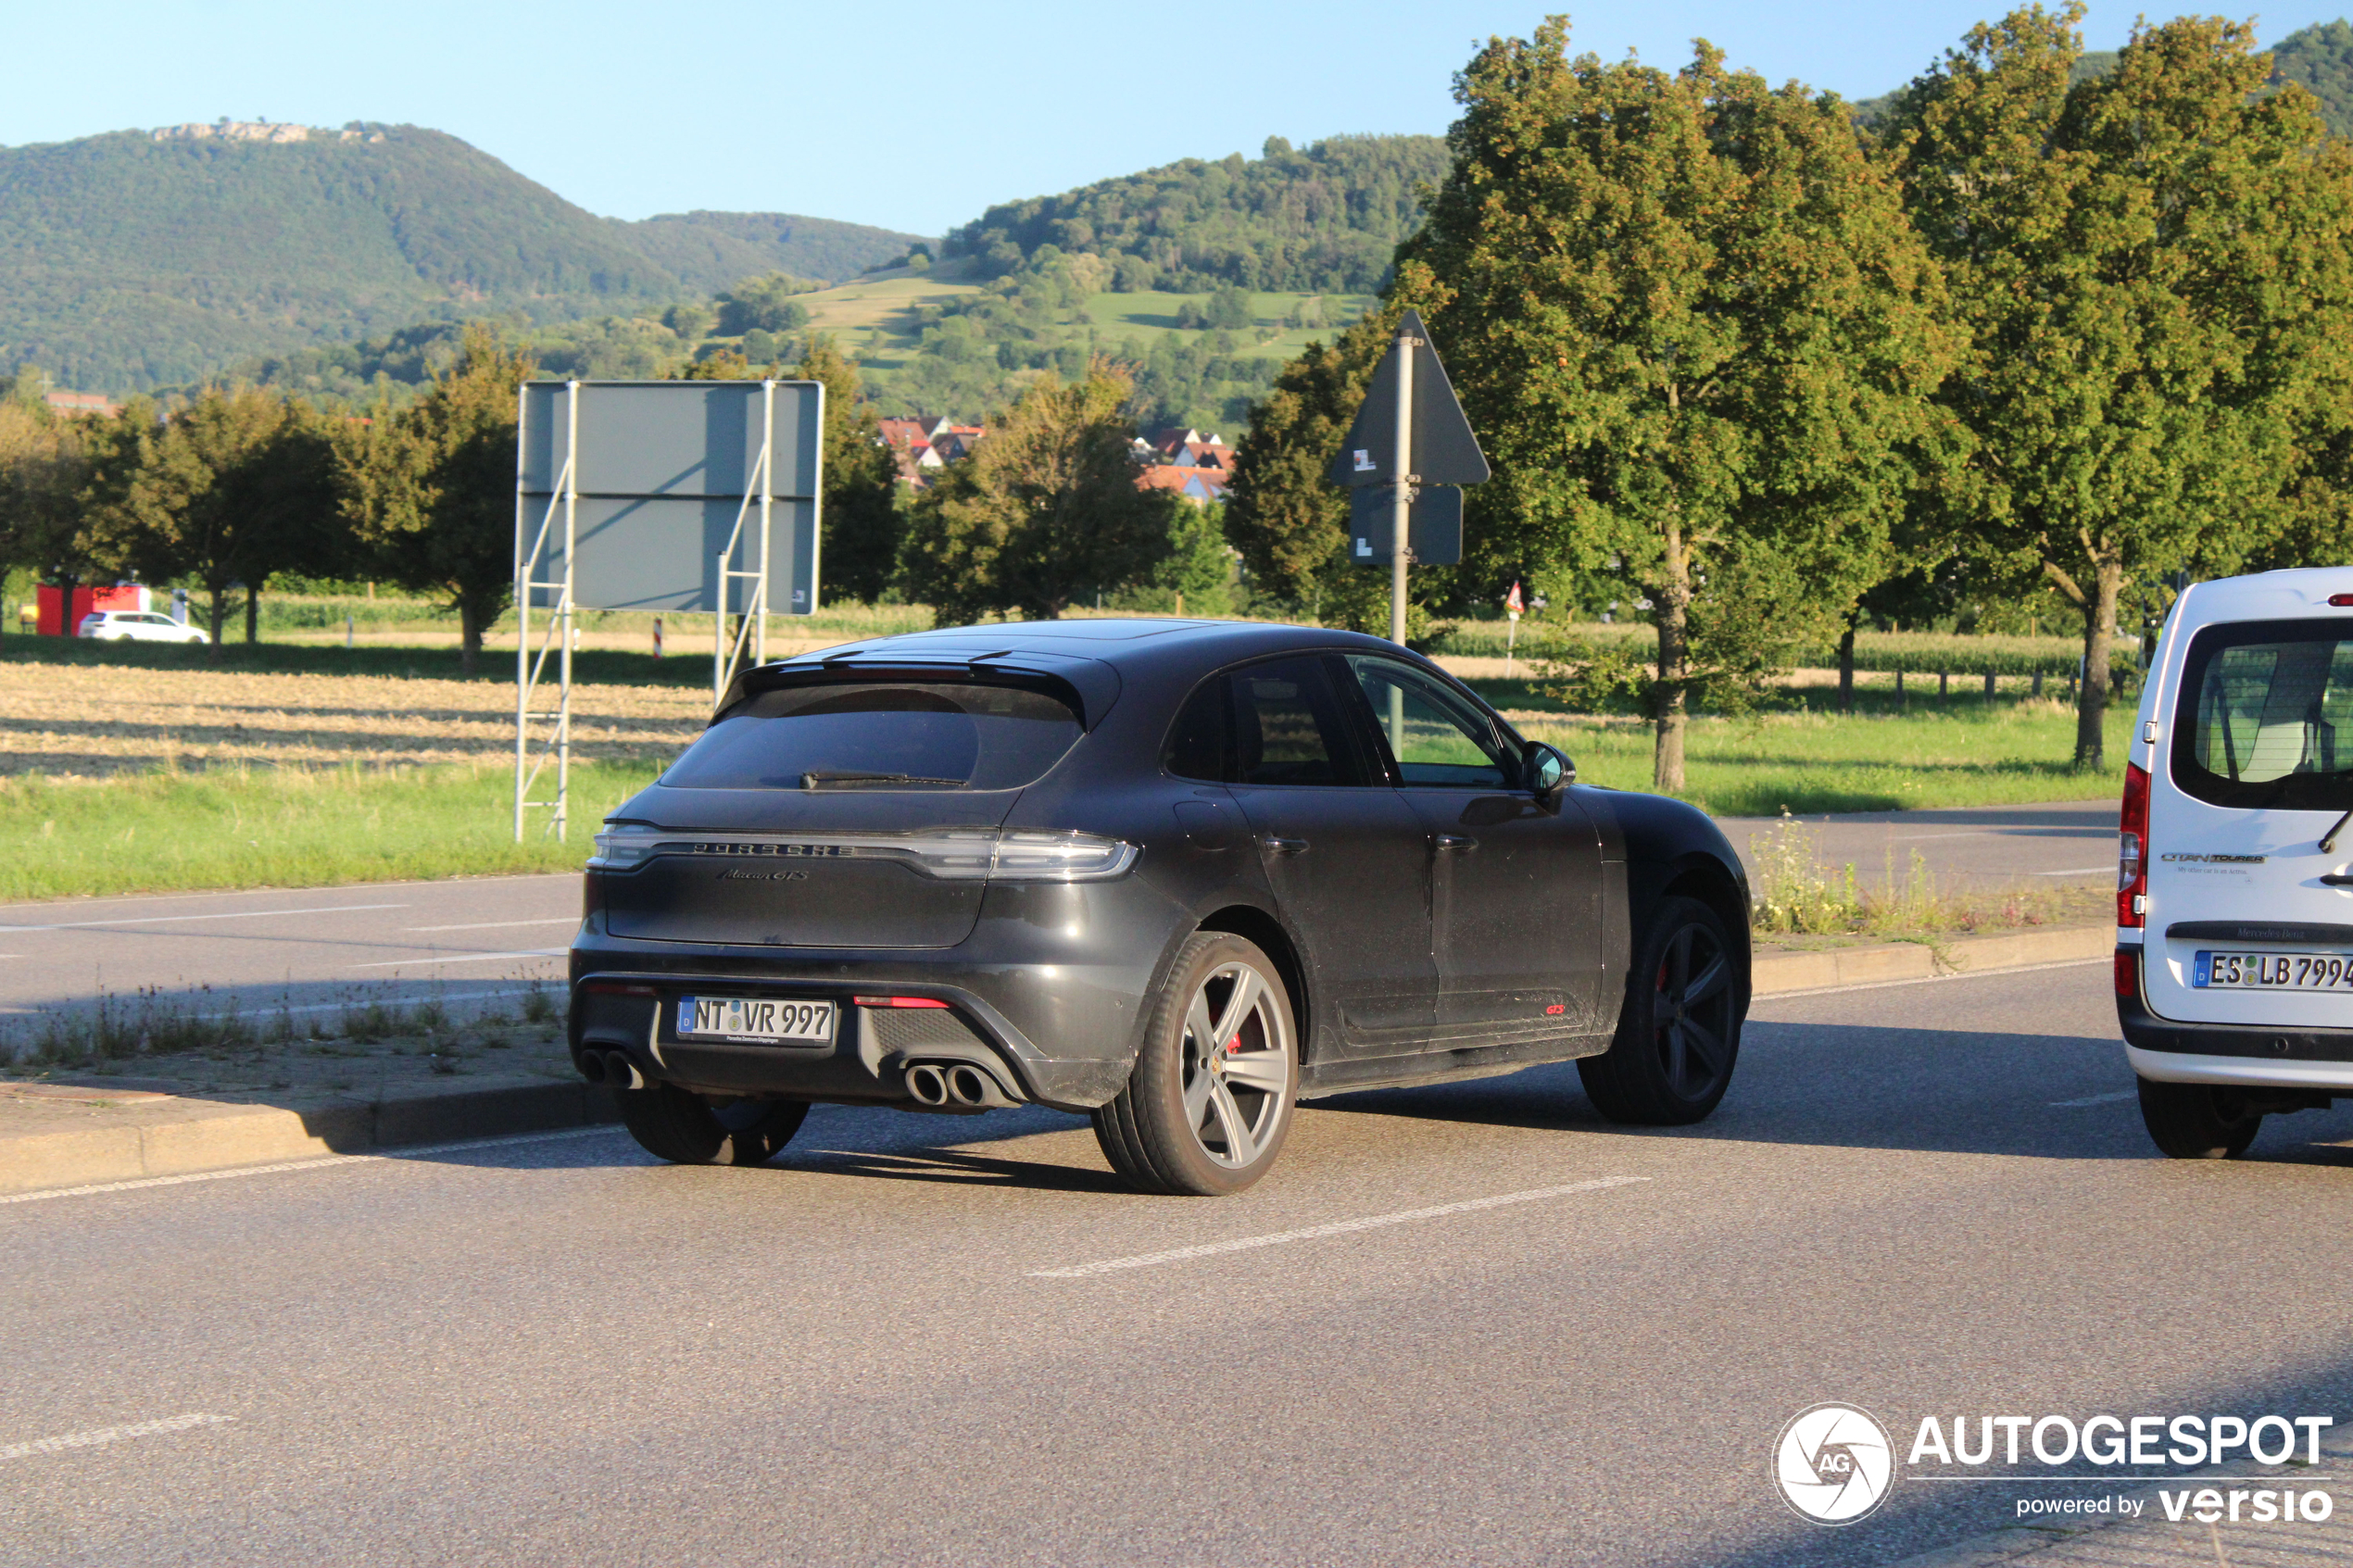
[[2337, 879], [1274, 845], [1457, 841]]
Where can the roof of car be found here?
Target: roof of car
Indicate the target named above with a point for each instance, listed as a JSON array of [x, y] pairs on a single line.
[[1121, 642], [2267, 594]]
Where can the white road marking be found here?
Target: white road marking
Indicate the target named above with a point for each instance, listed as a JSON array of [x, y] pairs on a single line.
[[464, 958], [497, 924], [1925, 979], [240, 914], [2095, 1100], [2079, 871], [1338, 1227], [101, 1435], [422, 1151]]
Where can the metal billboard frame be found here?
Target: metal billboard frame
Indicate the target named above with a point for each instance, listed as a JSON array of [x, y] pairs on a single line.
[[735, 570]]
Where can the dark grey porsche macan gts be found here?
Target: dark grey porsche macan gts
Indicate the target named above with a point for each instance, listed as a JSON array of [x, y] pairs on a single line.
[[1178, 875]]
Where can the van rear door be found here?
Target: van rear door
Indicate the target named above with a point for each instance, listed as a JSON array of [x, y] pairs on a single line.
[[2253, 767]]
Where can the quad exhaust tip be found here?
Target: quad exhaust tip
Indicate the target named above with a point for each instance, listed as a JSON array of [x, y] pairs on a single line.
[[969, 1085], [610, 1068], [927, 1084], [955, 1086]]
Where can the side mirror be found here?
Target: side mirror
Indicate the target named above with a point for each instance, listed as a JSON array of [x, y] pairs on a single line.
[[1549, 772]]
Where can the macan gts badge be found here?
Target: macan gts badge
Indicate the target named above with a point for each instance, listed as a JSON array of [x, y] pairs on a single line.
[[1174, 875]]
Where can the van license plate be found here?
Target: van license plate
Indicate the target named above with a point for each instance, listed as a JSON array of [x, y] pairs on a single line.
[[2272, 972], [766, 1020]]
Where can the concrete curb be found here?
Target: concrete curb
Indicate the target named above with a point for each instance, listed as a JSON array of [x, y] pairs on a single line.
[[217, 1137], [1883, 963]]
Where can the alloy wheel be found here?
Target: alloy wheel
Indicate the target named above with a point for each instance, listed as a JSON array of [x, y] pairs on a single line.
[[1237, 1066], [1692, 1014]]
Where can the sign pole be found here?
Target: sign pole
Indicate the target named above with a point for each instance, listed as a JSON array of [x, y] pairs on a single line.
[[1400, 532], [1401, 508]]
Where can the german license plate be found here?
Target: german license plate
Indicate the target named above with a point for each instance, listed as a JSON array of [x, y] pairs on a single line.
[[2272, 972], [763, 1020]]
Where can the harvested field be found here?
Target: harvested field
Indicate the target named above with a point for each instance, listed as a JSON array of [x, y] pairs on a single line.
[[66, 723]]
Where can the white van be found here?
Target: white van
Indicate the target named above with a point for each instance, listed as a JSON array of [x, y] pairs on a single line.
[[2235, 872]]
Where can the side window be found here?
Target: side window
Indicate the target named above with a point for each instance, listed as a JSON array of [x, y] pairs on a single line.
[[1288, 728], [1196, 747], [1435, 739]]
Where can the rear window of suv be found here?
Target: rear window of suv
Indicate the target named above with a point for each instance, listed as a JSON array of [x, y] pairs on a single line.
[[2265, 719], [873, 734]]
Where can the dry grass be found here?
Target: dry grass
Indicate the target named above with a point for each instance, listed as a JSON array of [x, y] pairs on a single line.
[[65, 722]]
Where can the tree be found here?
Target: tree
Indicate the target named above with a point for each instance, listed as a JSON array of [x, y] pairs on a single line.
[[2150, 270], [1199, 566], [432, 489], [861, 510], [1043, 511], [43, 465], [1697, 336], [765, 303], [238, 484]]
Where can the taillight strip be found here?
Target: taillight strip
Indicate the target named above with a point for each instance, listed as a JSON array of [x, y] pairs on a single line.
[[2132, 850]]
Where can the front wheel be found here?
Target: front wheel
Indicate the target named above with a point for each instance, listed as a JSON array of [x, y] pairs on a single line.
[[2197, 1121], [672, 1123], [1208, 1104], [1680, 1030]]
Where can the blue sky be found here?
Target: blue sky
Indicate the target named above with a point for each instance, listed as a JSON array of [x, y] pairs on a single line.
[[911, 117]]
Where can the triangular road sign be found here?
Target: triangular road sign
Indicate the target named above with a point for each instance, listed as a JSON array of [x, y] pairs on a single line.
[[1445, 452]]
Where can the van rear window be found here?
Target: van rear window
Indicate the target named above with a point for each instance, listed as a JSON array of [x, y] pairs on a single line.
[[881, 734], [2265, 719]]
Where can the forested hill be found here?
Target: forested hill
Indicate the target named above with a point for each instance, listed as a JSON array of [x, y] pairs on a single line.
[[1324, 218], [128, 261], [710, 251]]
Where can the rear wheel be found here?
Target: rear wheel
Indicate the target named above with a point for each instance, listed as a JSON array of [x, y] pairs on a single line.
[[2198, 1120], [1208, 1104], [685, 1128], [1680, 1030]]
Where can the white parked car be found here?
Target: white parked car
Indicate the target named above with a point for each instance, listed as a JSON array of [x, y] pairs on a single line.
[[2234, 877], [137, 627]]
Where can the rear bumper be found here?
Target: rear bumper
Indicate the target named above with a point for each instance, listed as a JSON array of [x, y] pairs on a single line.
[[2172, 1052], [1048, 995], [865, 1063]]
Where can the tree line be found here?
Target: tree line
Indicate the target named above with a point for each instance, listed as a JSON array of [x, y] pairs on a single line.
[[243, 482], [1757, 370]]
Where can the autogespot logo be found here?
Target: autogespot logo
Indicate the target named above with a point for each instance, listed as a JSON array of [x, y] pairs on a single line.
[[1833, 1463]]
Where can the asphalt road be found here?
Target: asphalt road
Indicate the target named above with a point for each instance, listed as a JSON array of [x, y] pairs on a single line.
[[2068, 841], [897, 1346], [307, 948], [314, 947]]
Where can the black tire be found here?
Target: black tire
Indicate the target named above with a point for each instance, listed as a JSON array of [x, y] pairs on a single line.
[[1678, 1033], [2197, 1121], [672, 1123], [1198, 1119]]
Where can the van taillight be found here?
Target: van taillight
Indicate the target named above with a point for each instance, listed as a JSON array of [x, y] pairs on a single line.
[[2128, 972], [2342, 601], [2132, 849]]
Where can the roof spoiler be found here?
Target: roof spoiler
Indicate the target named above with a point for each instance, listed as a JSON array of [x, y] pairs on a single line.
[[1088, 686]]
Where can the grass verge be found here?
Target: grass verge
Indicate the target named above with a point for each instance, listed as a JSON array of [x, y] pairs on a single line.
[[1798, 894], [1965, 752], [235, 827]]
